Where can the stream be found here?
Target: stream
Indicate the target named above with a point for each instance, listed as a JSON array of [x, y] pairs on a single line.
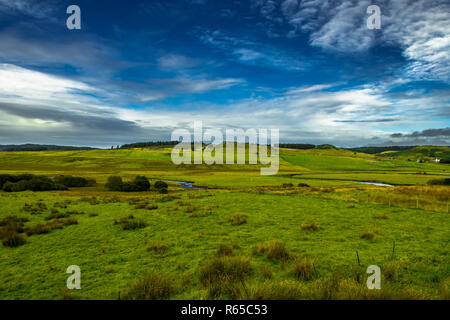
[[185, 184]]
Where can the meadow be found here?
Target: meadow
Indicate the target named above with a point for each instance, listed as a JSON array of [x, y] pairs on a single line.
[[308, 232]]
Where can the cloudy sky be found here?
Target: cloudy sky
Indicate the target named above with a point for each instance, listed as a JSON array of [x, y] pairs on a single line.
[[137, 70]]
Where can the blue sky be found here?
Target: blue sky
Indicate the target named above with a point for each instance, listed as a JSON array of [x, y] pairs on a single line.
[[137, 70]]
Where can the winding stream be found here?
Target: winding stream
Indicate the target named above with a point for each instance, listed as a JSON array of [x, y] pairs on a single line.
[[185, 184]]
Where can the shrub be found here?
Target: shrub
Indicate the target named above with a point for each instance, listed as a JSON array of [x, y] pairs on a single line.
[[163, 190], [276, 251], [36, 208], [13, 239], [369, 235], [310, 226], [114, 183], [13, 220], [238, 219], [8, 186], [441, 182], [221, 270], [161, 184], [39, 229], [303, 185], [161, 187], [391, 270], [287, 185], [303, 269], [152, 286], [157, 246], [57, 215], [37, 183], [129, 223], [129, 187], [70, 181], [6, 178], [142, 183]]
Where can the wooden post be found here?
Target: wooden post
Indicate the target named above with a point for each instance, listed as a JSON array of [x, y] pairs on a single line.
[[417, 203], [389, 202]]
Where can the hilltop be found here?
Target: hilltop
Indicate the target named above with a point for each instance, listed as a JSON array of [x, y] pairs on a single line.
[[39, 147]]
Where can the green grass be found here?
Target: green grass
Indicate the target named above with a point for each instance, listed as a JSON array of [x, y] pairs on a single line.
[[298, 242]]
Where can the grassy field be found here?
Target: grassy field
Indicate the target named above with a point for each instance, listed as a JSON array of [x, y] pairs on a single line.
[[243, 236]]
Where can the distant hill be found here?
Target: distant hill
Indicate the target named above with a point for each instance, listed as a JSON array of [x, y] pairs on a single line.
[[149, 144], [412, 153], [375, 150], [39, 147]]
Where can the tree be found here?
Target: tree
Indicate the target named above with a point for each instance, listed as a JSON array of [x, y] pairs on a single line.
[[161, 186], [142, 183], [114, 183]]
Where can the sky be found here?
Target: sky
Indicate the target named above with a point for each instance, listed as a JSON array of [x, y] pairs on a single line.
[[138, 70]]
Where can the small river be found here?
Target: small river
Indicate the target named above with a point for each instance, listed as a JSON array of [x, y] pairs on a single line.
[[185, 184], [379, 184]]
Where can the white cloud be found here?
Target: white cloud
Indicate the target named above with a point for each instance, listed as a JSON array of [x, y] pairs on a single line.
[[42, 108], [17, 81], [420, 28], [176, 62]]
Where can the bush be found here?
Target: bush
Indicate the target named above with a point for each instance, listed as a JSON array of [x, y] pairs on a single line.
[[287, 185], [238, 219], [129, 187], [276, 251], [114, 183], [440, 182], [153, 286], [310, 226], [369, 235], [221, 270], [13, 239], [303, 269], [129, 223], [49, 226], [157, 246], [70, 181], [34, 184], [163, 190], [161, 187], [161, 184], [304, 185], [142, 183]]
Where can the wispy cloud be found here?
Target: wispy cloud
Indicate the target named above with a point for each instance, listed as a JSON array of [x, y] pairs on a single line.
[[250, 52], [419, 28]]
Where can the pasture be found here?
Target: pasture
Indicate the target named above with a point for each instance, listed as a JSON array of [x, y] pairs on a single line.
[[242, 236]]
